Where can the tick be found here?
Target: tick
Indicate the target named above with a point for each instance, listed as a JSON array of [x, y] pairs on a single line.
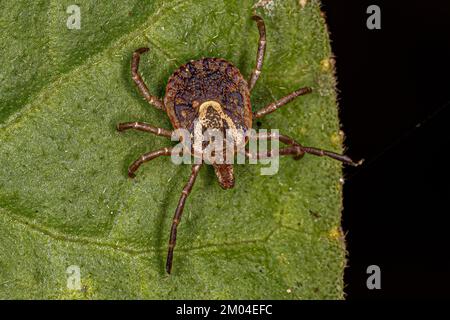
[[212, 91]]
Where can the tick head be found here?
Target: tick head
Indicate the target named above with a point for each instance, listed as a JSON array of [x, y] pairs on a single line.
[[225, 175]]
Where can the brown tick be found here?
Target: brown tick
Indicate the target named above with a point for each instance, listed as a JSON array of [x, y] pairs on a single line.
[[213, 91]]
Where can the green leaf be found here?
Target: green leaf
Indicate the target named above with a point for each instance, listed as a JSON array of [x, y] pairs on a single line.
[[65, 198]]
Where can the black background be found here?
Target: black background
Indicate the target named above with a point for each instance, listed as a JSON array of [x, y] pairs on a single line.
[[394, 102]]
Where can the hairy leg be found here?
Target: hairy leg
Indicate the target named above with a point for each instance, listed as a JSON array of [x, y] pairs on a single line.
[[298, 151], [281, 102], [142, 126], [178, 212], [136, 76], [147, 157], [260, 53]]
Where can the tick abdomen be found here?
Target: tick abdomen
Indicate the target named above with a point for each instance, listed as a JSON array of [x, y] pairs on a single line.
[[210, 90]]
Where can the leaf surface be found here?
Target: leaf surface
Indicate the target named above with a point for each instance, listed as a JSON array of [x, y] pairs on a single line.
[[65, 198]]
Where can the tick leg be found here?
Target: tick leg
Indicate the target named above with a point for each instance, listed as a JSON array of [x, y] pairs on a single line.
[[284, 139], [330, 154], [142, 126], [298, 151], [178, 212], [147, 157], [261, 51], [277, 104], [292, 150], [155, 101]]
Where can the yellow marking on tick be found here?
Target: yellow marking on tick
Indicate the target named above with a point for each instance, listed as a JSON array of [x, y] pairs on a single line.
[[218, 108], [206, 121], [203, 109]]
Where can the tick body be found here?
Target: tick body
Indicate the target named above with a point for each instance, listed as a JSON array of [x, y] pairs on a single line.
[[212, 92]]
